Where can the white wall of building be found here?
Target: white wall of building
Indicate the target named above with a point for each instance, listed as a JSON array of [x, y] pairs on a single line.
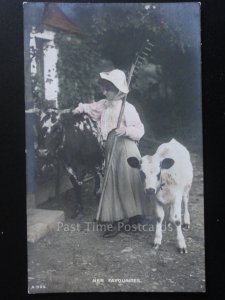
[[50, 74], [50, 57]]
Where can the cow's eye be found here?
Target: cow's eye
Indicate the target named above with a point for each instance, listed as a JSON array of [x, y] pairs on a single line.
[[158, 176], [143, 176]]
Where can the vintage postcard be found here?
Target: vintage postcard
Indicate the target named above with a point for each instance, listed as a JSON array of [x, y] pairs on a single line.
[[115, 199]]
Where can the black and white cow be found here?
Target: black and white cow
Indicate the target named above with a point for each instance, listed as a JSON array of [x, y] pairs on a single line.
[[75, 141], [168, 175]]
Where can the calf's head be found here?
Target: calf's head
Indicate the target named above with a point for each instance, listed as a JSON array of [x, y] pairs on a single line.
[[150, 171]]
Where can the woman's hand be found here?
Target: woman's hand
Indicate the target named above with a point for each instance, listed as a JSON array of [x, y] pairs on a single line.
[[119, 131], [116, 132], [76, 111], [65, 111]]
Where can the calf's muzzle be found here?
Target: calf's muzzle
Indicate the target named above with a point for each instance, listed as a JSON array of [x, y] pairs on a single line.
[[150, 191]]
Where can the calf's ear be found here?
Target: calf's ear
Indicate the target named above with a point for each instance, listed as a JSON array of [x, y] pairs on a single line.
[[134, 162], [167, 163]]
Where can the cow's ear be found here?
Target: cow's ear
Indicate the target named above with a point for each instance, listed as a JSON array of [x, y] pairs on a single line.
[[167, 163], [134, 162]]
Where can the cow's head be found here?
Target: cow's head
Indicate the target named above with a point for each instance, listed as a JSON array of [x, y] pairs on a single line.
[[51, 129], [150, 171]]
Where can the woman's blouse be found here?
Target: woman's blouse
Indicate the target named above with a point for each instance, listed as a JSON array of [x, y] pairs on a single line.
[[106, 114]]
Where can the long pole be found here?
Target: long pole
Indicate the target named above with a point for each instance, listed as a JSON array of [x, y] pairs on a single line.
[[114, 145]]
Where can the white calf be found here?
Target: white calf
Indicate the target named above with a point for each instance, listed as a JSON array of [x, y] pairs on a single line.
[[168, 175]]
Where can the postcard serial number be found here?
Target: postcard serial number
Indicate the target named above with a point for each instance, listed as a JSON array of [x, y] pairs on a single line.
[[116, 280]]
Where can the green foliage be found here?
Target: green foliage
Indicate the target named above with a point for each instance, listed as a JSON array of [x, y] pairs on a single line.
[[37, 86], [77, 69]]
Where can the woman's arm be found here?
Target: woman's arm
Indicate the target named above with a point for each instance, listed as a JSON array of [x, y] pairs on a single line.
[[93, 109], [133, 125]]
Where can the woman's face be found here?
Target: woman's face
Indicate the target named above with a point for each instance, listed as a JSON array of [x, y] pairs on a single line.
[[110, 95], [109, 90]]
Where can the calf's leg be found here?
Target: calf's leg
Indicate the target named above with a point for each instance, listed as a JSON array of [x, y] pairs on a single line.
[[175, 216], [186, 223], [159, 210], [77, 191], [98, 185]]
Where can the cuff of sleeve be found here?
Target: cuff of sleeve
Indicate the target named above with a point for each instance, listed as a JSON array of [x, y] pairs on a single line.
[[128, 133], [134, 133]]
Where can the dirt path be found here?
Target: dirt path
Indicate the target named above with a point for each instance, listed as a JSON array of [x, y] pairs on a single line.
[[79, 259]]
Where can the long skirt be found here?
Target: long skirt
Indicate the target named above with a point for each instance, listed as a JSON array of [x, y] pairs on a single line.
[[124, 195]]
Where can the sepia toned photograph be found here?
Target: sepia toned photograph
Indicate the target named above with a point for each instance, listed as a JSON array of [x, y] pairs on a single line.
[[114, 150]]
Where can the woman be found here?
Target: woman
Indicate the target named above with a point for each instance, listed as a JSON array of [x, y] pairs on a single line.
[[124, 195]]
